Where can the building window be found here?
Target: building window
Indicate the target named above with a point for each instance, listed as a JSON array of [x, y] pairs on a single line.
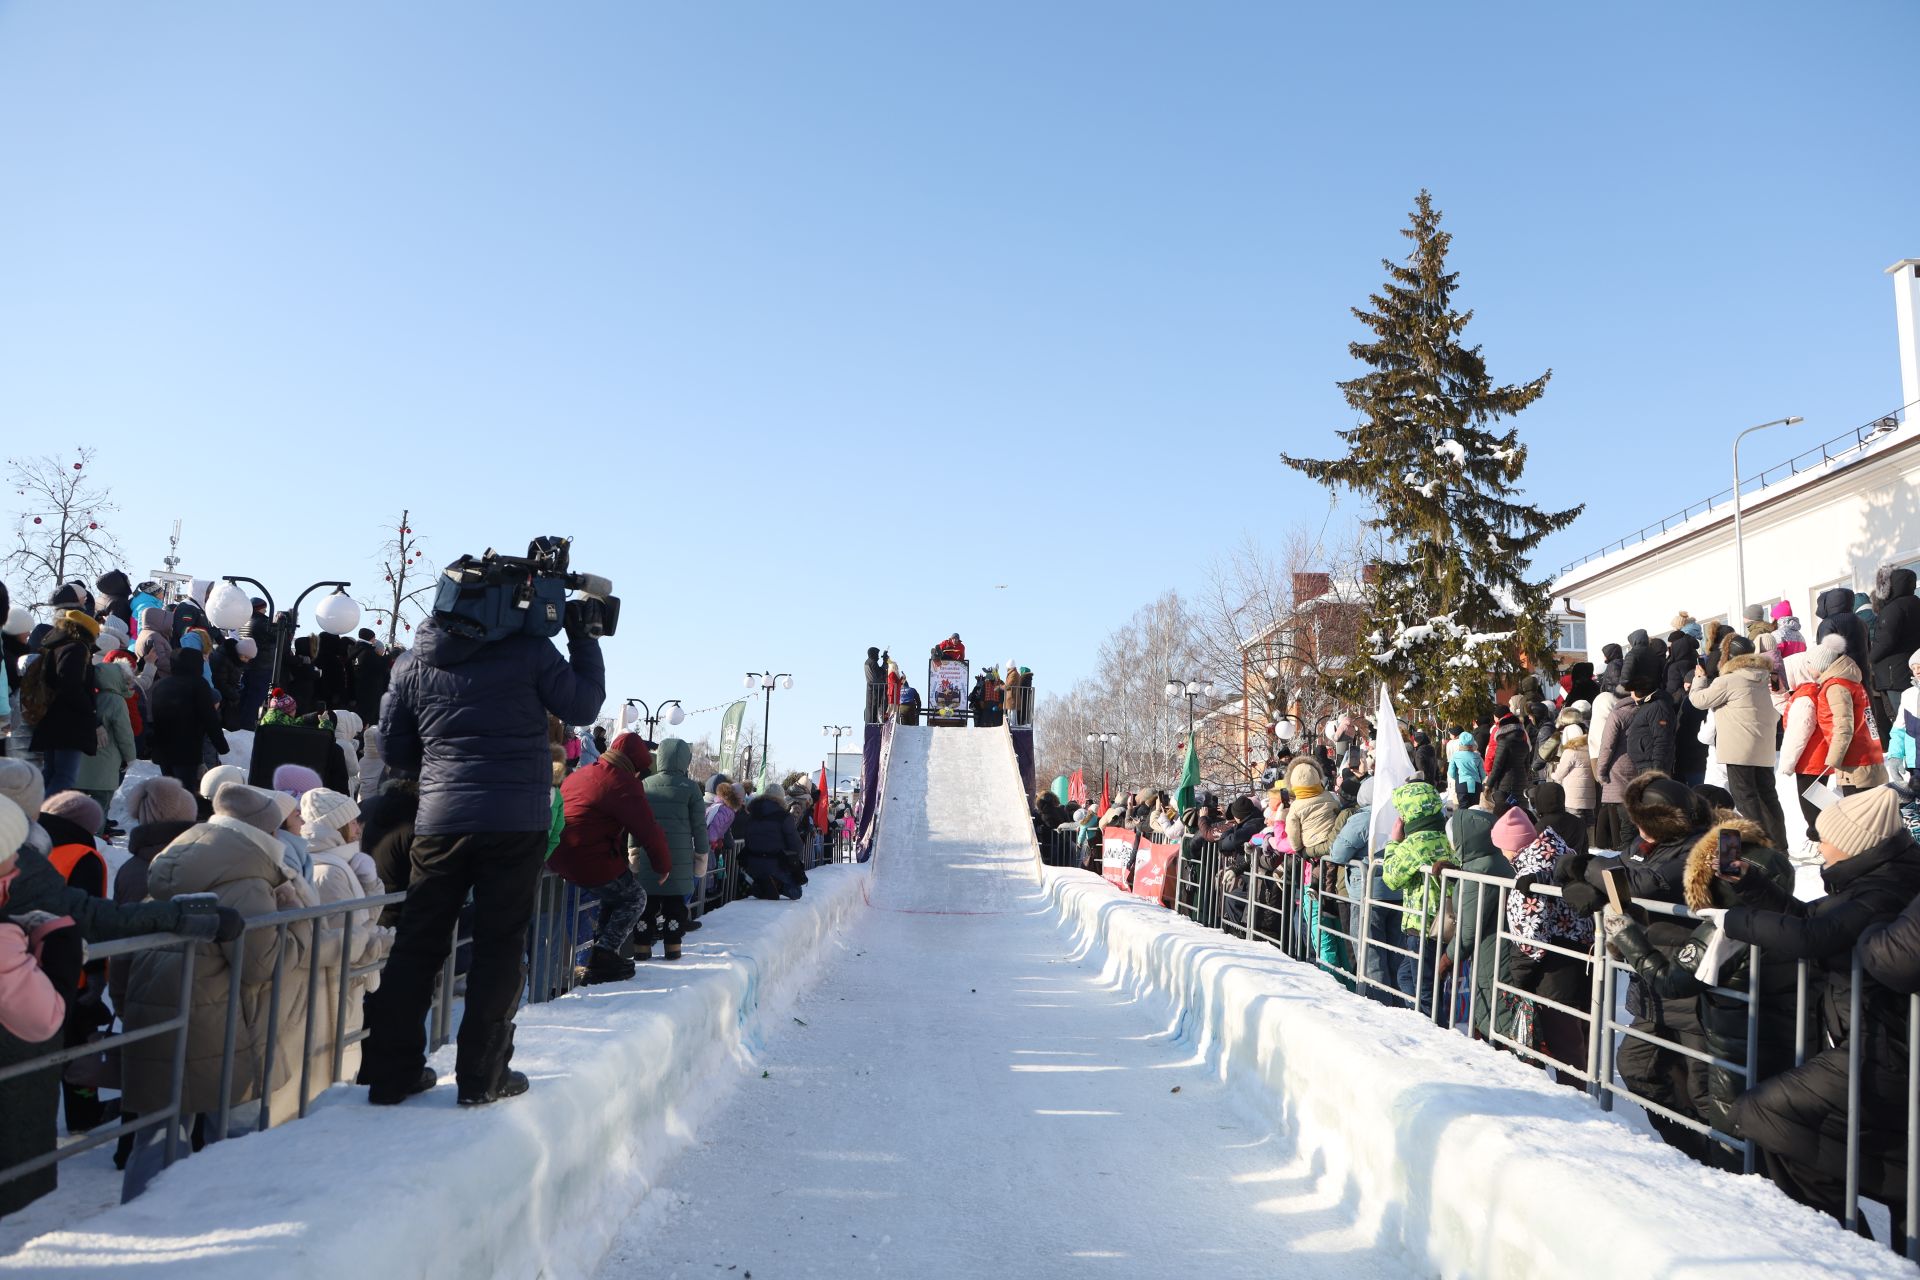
[[1573, 635]]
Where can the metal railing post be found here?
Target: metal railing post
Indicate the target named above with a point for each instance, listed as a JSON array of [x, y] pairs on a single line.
[[1753, 1040], [340, 1005], [1855, 1032], [273, 1026], [236, 962], [184, 1012]]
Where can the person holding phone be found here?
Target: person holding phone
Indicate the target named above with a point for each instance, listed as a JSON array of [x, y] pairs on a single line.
[[1798, 1117], [1727, 854]]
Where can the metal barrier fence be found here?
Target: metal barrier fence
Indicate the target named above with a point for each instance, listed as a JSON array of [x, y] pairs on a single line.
[[561, 930], [1430, 959]]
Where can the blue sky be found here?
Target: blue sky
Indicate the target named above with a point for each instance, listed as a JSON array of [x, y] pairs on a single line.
[[814, 323]]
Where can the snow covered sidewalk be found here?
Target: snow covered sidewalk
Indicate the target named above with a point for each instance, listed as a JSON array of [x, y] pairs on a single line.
[[535, 1186]]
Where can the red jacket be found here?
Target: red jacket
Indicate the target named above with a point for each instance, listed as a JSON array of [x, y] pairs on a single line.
[[603, 804]]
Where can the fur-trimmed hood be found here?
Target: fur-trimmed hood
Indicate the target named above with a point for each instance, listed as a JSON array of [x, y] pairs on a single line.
[[1747, 662], [1700, 882]]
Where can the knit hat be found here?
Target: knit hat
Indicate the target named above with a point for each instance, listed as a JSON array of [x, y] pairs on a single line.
[[1574, 735], [1856, 823], [1304, 777], [1680, 621], [76, 807], [1913, 660], [112, 628], [634, 749], [1783, 609], [1826, 653], [19, 622], [280, 700], [219, 776], [13, 832], [84, 621], [161, 800], [21, 783], [1467, 742], [247, 647], [329, 808], [295, 779], [1514, 831], [260, 809], [1753, 613]]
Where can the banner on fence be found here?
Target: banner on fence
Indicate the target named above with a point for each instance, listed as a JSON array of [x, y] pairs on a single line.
[[1116, 856], [946, 685], [1154, 866]]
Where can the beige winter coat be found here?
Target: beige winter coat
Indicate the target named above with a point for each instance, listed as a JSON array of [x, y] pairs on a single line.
[[342, 874], [1575, 776], [1744, 718], [242, 867]]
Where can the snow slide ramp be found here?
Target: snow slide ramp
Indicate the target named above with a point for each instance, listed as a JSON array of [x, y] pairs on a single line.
[[954, 835]]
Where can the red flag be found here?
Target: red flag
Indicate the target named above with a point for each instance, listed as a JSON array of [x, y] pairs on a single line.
[[1076, 789], [1106, 798], [820, 805]]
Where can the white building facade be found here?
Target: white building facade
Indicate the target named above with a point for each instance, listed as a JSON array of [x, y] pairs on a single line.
[[1833, 521]]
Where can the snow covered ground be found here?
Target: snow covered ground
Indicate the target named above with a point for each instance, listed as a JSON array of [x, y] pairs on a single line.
[[954, 1063]]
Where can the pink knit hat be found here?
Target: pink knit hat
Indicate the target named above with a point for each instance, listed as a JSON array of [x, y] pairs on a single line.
[[1783, 610], [1514, 831], [295, 779]]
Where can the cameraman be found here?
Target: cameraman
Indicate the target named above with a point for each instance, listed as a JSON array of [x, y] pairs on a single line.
[[471, 716]]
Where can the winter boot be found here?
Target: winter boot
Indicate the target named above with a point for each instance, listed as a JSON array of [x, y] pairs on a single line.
[[670, 948], [391, 1095], [604, 964], [511, 1084]]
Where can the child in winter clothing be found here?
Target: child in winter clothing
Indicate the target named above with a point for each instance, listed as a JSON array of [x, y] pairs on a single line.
[[1465, 772], [1575, 774], [1313, 819], [1417, 848], [32, 1014]]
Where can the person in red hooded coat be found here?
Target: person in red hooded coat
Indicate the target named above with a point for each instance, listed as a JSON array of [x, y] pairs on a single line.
[[603, 804]]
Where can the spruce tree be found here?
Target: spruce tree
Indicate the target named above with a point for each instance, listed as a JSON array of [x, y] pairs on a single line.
[[1457, 615]]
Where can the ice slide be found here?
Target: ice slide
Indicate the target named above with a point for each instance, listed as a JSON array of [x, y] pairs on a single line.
[[957, 1095]]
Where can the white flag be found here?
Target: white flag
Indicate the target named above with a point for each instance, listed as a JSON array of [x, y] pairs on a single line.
[[1391, 767]]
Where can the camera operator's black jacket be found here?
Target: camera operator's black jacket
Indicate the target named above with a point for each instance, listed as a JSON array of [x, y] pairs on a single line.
[[471, 718]]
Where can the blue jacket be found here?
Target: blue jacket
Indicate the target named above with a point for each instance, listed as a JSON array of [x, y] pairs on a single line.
[[471, 718]]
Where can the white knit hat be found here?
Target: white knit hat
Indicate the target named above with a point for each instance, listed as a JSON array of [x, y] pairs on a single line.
[[1857, 823], [13, 832], [18, 622], [1826, 653], [219, 776], [328, 807], [247, 647]]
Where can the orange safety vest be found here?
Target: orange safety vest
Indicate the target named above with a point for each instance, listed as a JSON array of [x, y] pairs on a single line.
[[1865, 748], [65, 859]]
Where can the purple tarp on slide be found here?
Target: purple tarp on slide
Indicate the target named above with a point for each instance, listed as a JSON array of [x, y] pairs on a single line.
[[869, 788], [1023, 752]]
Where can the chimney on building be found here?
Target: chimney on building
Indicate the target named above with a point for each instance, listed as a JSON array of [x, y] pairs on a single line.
[[1906, 307]]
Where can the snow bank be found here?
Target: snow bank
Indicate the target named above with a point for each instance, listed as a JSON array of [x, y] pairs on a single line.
[[536, 1186], [1468, 1161]]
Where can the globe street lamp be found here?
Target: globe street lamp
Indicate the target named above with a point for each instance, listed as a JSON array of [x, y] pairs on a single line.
[[337, 614], [1739, 551], [1103, 737], [766, 680], [1189, 689], [836, 732], [670, 711]]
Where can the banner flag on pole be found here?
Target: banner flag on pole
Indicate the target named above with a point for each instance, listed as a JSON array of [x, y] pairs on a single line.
[[820, 804], [730, 735], [1076, 788], [1391, 767], [1189, 779]]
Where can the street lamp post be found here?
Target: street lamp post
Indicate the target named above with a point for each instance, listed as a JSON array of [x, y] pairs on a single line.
[[1189, 689], [335, 619], [1102, 737], [1739, 551], [670, 711], [766, 680], [836, 732]]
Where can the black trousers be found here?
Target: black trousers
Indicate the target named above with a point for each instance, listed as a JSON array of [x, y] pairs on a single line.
[[1610, 827], [1671, 1079], [664, 921], [501, 870], [1757, 797]]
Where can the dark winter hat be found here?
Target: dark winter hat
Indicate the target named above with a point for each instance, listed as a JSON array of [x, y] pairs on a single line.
[[1664, 808], [366, 633], [1549, 799], [1739, 647], [1716, 797]]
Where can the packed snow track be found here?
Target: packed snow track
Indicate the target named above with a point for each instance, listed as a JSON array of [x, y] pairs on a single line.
[[957, 1095]]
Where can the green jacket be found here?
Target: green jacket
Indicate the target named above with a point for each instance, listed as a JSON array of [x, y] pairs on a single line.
[[680, 807], [101, 771], [1403, 869]]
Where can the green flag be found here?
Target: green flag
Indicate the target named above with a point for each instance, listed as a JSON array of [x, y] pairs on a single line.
[[730, 735], [1189, 780]]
